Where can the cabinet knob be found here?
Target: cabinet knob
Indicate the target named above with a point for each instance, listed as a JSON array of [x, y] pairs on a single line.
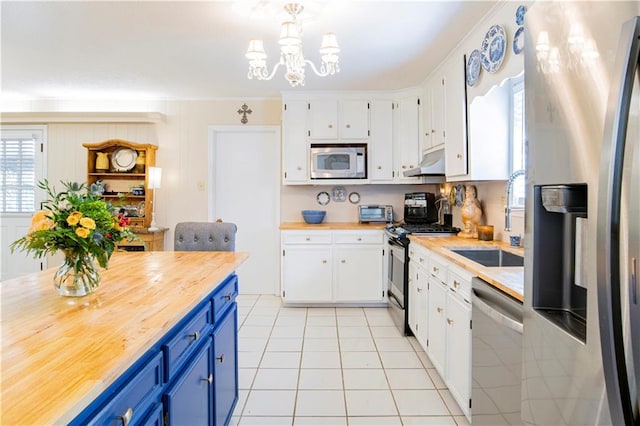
[[359, 238], [421, 260], [456, 284], [348, 126], [195, 336], [299, 168], [208, 379], [220, 358], [330, 126], [459, 156], [343, 261], [439, 309], [228, 296], [419, 290], [435, 270], [404, 167], [433, 131], [324, 261], [449, 321], [307, 239], [379, 167], [427, 134], [126, 417]]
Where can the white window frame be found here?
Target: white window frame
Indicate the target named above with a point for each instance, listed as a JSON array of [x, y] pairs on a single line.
[[517, 86]]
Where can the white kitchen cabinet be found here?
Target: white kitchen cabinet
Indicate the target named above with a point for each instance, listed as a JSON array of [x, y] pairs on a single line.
[[406, 137], [437, 342], [433, 107], [380, 150], [418, 293], [294, 143], [458, 366], [333, 266], [456, 161], [337, 120]]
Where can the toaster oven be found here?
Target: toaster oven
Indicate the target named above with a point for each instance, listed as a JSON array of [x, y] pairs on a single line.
[[375, 214]]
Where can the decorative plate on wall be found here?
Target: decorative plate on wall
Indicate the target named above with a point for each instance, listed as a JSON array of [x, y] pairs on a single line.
[[339, 194], [124, 159], [354, 198], [520, 14], [323, 198], [494, 47], [473, 67], [518, 41]]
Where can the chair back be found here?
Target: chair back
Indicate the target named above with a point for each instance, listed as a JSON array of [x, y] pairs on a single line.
[[205, 236]]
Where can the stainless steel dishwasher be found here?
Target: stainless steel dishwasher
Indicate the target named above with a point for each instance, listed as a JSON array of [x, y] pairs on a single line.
[[496, 357]]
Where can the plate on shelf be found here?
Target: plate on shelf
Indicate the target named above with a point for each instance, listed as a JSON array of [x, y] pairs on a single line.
[[460, 195], [494, 47], [473, 67], [124, 159], [323, 198], [518, 41]]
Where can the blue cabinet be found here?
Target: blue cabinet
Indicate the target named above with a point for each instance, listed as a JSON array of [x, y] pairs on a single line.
[[188, 377]]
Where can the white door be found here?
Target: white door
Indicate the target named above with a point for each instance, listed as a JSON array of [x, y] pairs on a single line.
[[22, 165], [245, 179]]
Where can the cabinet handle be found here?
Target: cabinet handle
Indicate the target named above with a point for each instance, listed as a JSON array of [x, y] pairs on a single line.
[[439, 309], [195, 336], [459, 156], [343, 261], [126, 417], [449, 321], [456, 284], [208, 379], [221, 358], [348, 126], [435, 270]]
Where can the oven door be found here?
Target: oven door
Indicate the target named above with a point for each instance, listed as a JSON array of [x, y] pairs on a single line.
[[396, 283]]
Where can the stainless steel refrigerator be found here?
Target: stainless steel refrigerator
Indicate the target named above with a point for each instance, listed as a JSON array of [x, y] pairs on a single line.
[[581, 356]]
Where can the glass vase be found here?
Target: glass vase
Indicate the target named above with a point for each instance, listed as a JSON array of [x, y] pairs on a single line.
[[77, 276]]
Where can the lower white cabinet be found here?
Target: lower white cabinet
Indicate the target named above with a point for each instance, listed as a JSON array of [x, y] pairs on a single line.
[[437, 342], [333, 266], [458, 367], [418, 294]]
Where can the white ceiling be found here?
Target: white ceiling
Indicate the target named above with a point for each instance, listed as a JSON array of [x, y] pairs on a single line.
[[195, 50]]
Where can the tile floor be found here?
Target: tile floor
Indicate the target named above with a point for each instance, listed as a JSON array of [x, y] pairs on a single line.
[[333, 366]]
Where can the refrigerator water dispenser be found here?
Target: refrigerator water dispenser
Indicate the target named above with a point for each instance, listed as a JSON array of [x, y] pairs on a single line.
[[559, 293]]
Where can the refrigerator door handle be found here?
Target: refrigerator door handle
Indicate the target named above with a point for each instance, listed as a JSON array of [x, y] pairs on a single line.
[[608, 227], [494, 314]]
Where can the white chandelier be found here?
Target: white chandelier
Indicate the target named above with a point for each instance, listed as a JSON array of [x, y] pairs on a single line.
[[291, 52]]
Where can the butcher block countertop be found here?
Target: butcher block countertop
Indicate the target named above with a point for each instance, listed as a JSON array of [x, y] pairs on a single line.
[[330, 226], [60, 353], [508, 279]]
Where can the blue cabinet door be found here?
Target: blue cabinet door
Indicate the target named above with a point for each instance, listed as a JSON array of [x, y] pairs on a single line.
[[188, 402], [225, 366]]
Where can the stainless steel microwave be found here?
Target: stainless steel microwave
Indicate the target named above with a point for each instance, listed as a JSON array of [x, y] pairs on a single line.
[[338, 161]]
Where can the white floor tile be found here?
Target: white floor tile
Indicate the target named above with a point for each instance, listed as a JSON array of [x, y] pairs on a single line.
[[320, 332], [252, 344], [242, 400], [287, 331], [293, 344], [321, 312], [463, 421], [359, 379], [292, 312], [264, 420], [321, 360], [320, 345], [270, 403], [320, 403], [321, 320], [353, 332], [376, 321], [276, 378], [376, 312], [375, 421], [260, 320], [414, 378], [393, 344], [420, 403], [400, 360], [370, 403], [451, 403], [349, 312], [269, 300], [264, 310], [424, 359], [436, 378], [249, 359], [245, 377], [385, 331], [352, 321], [254, 331], [356, 344], [280, 360], [320, 379], [317, 421], [360, 360], [290, 321], [234, 421], [428, 421]]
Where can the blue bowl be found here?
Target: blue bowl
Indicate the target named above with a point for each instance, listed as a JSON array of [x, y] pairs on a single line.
[[313, 216]]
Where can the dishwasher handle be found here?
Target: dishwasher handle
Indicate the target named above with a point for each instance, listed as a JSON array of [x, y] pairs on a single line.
[[496, 315]]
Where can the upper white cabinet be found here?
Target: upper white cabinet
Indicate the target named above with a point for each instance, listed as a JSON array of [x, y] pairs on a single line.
[[381, 142], [455, 118], [333, 119], [433, 107], [406, 137], [294, 142]]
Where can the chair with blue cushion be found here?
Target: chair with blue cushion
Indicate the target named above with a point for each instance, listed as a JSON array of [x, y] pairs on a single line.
[[205, 236]]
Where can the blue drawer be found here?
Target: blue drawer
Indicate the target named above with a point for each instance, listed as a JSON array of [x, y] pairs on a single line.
[[224, 296], [137, 397], [187, 337]]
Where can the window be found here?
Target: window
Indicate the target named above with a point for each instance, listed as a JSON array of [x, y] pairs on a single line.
[[518, 153], [20, 168]]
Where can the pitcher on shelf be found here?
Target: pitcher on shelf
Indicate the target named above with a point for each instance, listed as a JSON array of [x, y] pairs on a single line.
[[471, 213]]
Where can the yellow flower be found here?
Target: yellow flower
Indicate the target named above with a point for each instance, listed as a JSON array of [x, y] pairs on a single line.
[[82, 232], [41, 221], [74, 218], [88, 223]]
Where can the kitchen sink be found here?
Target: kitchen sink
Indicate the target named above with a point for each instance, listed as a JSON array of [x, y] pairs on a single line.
[[491, 257]]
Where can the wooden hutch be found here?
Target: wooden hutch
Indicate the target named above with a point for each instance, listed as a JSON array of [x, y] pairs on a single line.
[[122, 168]]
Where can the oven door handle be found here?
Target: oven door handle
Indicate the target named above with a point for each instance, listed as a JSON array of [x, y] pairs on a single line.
[[393, 299]]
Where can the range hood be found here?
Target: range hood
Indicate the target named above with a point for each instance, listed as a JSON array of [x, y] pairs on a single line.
[[431, 168]]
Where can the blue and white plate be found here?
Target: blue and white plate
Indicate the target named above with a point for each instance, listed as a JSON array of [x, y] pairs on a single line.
[[473, 68], [518, 41], [494, 47], [520, 14]]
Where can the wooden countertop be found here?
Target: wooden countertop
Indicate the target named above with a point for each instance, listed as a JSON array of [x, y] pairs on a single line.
[[508, 279], [60, 353], [289, 226]]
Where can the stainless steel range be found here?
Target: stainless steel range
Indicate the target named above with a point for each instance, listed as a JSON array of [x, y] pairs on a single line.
[[398, 271]]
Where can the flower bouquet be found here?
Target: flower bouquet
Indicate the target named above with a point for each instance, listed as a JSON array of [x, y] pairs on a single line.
[[84, 227]]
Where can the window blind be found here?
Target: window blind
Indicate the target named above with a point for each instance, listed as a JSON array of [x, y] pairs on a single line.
[[17, 175]]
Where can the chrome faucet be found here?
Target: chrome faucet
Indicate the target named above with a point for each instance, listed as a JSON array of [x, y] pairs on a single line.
[[507, 209]]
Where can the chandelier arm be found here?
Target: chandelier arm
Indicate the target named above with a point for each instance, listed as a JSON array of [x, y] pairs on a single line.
[[273, 71], [315, 70]]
